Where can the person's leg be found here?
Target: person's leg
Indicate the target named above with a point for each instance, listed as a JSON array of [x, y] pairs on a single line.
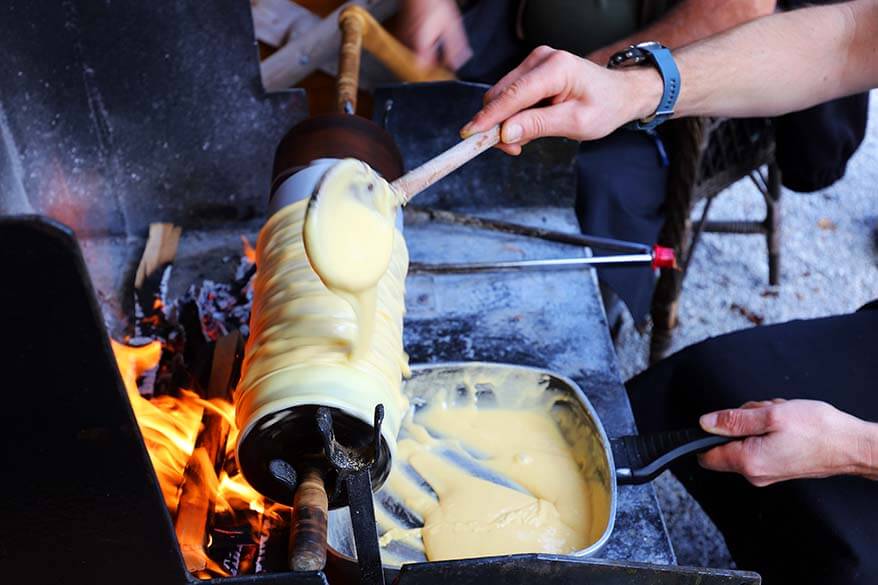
[[620, 192], [805, 531]]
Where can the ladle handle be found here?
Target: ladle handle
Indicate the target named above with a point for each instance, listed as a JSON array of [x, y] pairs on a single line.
[[353, 28], [641, 458], [413, 182], [310, 517]]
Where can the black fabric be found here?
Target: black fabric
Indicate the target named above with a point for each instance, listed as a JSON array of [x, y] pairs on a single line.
[[804, 531], [579, 26], [814, 145], [490, 28], [621, 182]]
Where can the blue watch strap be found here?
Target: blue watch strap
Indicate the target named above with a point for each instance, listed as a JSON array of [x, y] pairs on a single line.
[[663, 60], [660, 57]]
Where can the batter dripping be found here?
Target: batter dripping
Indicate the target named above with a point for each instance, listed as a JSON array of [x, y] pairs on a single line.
[[348, 233], [302, 335]]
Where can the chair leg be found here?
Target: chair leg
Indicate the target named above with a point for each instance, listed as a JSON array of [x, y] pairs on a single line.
[[772, 223], [688, 141], [666, 299], [666, 302]]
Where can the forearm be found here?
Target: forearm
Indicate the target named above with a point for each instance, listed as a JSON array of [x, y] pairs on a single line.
[[782, 63], [690, 21], [866, 449], [770, 66]]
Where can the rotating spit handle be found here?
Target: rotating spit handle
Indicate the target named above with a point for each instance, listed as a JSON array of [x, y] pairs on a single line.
[[353, 26], [641, 458], [310, 517], [360, 30]]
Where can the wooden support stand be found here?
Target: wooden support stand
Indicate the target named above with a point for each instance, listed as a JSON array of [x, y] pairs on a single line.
[[314, 49], [390, 52]]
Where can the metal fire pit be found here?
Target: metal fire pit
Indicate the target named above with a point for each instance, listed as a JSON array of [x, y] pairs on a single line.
[[119, 114], [80, 498]]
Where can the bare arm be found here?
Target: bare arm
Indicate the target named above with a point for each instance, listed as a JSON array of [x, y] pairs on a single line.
[[690, 21], [783, 63], [776, 64]]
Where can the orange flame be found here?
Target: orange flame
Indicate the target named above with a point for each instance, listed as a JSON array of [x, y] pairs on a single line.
[[169, 426], [249, 251]]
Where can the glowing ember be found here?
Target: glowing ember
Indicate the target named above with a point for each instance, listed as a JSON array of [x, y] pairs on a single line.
[[169, 426]]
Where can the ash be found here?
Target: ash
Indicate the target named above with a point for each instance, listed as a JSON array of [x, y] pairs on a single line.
[[222, 307]]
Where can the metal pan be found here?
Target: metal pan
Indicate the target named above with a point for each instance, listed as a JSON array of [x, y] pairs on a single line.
[[632, 459]]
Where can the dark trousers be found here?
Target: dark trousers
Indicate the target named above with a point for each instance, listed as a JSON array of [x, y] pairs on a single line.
[[621, 182], [822, 531]]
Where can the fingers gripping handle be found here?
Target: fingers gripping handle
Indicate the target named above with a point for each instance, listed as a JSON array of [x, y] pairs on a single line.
[[641, 458]]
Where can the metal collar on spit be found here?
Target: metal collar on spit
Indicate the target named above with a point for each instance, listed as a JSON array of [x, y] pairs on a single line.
[[352, 486]]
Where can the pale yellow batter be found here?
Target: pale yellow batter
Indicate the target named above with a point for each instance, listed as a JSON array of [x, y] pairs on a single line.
[[348, 233], [302, 335], [551, 499]]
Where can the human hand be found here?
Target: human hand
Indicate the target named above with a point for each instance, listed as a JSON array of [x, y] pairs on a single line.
[[791, 440], [584, 101], [433, 29]]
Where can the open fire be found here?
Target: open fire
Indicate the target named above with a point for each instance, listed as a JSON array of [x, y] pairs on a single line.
[[224, 527], [170, 426]]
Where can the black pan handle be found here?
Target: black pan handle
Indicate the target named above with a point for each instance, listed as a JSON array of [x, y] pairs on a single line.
[[641, 458]]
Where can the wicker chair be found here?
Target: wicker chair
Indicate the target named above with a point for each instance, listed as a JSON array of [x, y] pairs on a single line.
[[708, 155]]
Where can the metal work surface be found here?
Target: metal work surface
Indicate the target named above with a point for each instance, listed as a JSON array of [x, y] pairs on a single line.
[[549, 319], [539, 318], [117, 114]]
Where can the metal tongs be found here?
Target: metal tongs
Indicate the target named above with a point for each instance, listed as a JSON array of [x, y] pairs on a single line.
[[627, 253]]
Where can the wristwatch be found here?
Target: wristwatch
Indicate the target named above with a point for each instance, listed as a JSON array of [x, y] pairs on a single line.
[[660, 57]]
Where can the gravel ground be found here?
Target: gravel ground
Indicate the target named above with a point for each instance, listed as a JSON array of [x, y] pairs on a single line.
[[829, 264]]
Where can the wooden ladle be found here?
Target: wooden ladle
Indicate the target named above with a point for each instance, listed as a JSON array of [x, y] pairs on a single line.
[[435, 169]]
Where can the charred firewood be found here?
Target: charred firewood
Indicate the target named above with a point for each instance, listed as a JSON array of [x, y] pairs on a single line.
[[151, 280], [233, 547], [198, 489], [274, 540]]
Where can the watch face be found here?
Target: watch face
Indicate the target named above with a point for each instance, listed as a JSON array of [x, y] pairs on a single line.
[[650, 45]]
